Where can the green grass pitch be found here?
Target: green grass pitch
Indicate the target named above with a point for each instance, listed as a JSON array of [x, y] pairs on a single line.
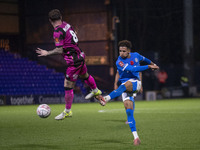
[[167, 125]]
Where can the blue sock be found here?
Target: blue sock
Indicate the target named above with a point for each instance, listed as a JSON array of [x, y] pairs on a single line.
[[117, 92], [131, 120]]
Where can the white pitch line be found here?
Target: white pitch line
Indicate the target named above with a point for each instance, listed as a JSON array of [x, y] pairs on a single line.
[[110, 110]]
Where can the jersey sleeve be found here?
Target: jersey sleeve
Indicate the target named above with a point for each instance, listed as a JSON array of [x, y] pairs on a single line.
[[58, 37], [142, 58], [126, 67]]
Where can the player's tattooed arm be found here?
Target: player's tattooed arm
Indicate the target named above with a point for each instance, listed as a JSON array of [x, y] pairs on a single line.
[[42, 52], [57, 50]]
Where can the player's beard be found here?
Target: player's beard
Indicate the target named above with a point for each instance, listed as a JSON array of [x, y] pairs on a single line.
[[125, 56]]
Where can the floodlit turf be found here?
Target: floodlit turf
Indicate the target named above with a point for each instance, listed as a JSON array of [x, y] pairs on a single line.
[[166, 125]]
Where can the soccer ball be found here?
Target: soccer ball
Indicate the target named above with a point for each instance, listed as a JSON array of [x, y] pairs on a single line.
[[43, 111]]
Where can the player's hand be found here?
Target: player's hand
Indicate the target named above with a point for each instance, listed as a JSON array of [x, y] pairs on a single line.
[[41, 52], [153, 67]]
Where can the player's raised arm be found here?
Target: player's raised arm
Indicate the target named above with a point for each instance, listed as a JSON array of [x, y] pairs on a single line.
[[127, 67], [153, 67], [42, 52]]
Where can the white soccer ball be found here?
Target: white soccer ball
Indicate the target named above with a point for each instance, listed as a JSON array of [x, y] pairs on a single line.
[[43, 111]]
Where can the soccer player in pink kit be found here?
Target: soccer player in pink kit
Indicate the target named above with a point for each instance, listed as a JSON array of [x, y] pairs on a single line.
[[66, 43]]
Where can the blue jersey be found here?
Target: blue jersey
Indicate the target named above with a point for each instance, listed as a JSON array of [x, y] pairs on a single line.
[[123, 66]]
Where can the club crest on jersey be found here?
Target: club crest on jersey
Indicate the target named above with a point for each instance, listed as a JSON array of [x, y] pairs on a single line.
[[132, 62], [136, 60], [56, 40], [121, 63]]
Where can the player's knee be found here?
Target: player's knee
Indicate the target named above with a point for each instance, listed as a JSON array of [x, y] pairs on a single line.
[[68, 84], [128, 104]]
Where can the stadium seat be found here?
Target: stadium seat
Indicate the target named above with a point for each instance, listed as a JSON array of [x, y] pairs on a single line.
[[20, 76]]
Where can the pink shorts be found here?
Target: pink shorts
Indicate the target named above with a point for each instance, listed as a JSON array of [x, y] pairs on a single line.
[[73, 72]]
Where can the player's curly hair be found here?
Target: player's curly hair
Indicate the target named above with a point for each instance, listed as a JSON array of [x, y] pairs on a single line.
[[55, 15], [125, 43]]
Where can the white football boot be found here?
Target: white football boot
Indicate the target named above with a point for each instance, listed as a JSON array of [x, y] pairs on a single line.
[[92, 94], [63, 115]]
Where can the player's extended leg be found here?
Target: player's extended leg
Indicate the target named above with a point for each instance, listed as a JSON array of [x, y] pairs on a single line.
[[115, 93], [129, 86], [112, 95], [69, 96], [129, 106], [89, 80], [122, 88]]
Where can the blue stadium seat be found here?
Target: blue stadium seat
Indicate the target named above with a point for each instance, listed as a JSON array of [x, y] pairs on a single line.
[[20, 76]]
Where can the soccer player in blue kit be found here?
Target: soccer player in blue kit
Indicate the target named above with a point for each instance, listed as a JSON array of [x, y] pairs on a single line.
[[128, 67]]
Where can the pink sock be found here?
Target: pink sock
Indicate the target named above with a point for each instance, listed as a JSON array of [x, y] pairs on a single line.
[[90, 81], [69, 96]]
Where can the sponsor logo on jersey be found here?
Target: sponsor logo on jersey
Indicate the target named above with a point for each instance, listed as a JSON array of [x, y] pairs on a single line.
[[132, 62], [66, 27], [121, 63], [56, 40]]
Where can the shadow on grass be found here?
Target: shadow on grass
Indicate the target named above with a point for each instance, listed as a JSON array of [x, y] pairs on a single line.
[[35, 146], [121, 121], [103, 141]]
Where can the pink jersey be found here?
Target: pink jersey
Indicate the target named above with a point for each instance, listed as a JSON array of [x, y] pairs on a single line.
[[65, 36]]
